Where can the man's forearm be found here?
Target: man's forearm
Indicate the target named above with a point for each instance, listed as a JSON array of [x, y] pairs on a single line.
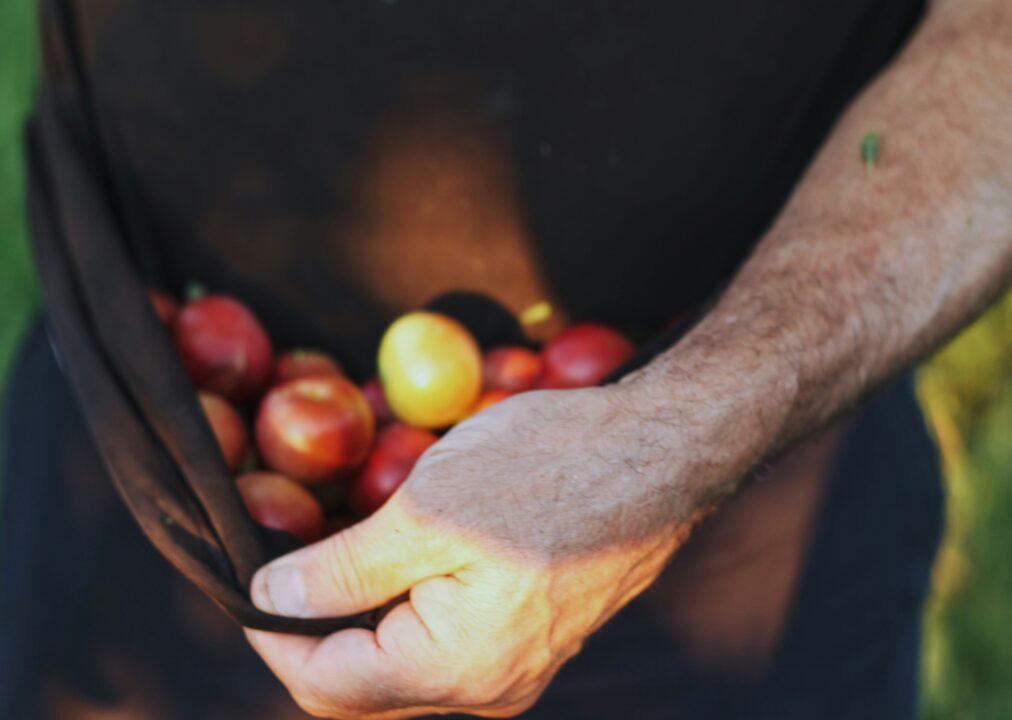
[[865, 270]]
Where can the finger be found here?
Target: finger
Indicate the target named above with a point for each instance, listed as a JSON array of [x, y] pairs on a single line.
[[358, 569], [400, 671], [284, 654], [351, 672], [327, 683], [395, 669], [417, 671]]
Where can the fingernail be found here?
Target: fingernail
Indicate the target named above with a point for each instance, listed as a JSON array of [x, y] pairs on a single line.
[[280, 590]]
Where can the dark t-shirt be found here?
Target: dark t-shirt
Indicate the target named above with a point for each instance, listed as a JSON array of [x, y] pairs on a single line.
[[353, 160], [337, 163]]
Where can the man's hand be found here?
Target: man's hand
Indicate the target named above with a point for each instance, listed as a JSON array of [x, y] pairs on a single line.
[[516, 536], [527, 527]]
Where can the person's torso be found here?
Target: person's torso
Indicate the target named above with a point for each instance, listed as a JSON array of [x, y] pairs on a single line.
[[356, 159], [348, 161]]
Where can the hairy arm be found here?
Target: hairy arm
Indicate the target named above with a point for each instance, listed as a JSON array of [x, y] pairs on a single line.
[[528, 526], [865, 270]]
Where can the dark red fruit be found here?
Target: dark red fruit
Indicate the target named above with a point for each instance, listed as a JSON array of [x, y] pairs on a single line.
[[280, 503], [373, 391], [398, 448], [223, 347], [584, 355], [304, 363], [513, 369], [489, 398], [228, 429], [314, 428]]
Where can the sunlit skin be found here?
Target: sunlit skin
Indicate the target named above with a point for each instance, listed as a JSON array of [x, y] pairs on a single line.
[[304, 363], [529, 525], [430, 367], [314, 428], [514, 369], [224, 347], [280, 503], [228, 427], [522, 564]]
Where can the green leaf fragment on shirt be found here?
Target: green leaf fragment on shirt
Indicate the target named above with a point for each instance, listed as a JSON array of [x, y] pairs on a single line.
[[194, 291], [871, 145]]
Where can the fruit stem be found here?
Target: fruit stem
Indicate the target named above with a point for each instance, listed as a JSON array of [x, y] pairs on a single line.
[[194, 291], [536, 313]]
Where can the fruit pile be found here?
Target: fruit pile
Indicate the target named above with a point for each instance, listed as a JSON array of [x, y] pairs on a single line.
[[325, 451]]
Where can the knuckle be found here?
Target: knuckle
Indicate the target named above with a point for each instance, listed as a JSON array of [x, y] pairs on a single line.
[[343, 567]]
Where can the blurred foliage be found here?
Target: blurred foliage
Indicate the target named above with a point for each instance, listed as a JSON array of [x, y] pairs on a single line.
[[17, 63], [966, 391]]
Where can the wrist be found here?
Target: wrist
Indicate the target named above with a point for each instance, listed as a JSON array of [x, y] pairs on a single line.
[[716, 411]]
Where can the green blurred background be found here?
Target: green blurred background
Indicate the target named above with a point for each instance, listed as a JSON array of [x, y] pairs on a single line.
[[965, 389]]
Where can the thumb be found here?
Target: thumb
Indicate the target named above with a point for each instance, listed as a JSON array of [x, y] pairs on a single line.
[[358, 569]]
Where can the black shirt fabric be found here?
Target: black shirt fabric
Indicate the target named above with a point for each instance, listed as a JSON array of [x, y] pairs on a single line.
[[645, 146], [317, 159]]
